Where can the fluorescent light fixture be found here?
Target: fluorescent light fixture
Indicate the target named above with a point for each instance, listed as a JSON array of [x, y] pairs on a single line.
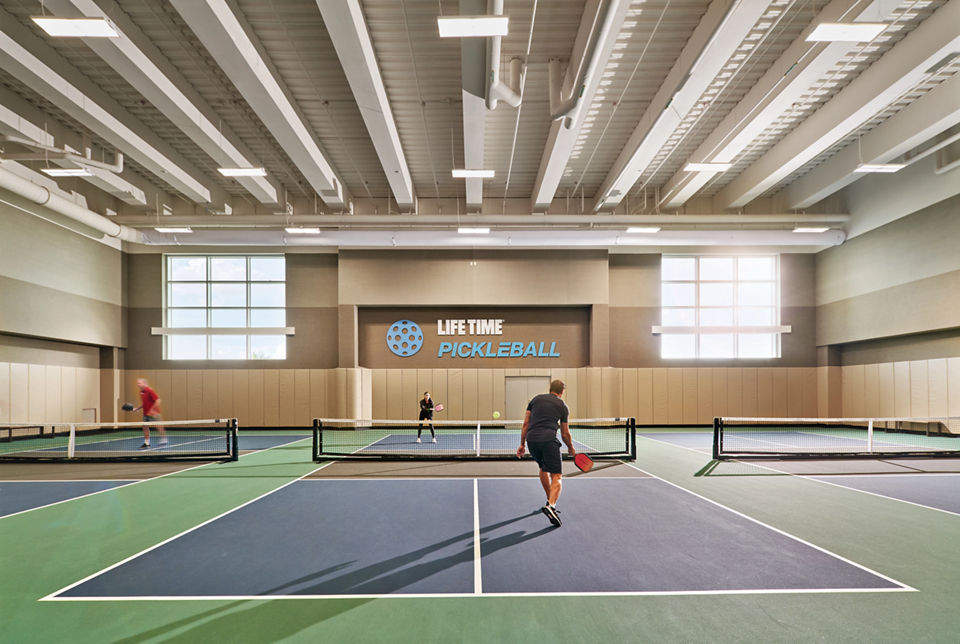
[[76, 27], [880, 167], [466, 230], [811, 229], [243, 172], [846, 31], [472, 174], [708, 167], [472, 26], [303, 230], [173, 229], [67, 172], [643, 230]]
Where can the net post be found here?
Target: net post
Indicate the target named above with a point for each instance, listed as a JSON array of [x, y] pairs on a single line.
[[72, 441], [478, 438], [633, 439], [717, 430], [234, 439], [870, 435], [317, 440]]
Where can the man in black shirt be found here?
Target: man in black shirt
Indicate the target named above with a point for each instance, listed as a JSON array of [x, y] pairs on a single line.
[[545, 414]]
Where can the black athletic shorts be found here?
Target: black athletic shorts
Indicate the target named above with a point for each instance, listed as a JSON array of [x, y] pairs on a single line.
[[547, 456]]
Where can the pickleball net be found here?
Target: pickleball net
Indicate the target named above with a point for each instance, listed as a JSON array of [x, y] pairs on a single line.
[[835, 437], [210, 439], [339, 438]]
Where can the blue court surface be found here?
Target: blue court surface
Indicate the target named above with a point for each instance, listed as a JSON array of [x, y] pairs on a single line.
[[18, 496], [940, 491], [354, 538], [489, 442]]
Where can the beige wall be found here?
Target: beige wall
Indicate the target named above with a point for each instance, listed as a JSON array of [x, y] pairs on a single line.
[[915, 388], [257, 397], [901, 278], [44, 393], [57, 284]]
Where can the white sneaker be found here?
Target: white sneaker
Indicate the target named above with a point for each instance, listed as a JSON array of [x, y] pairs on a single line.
[[418, 439], [434, 440], [164, 442]]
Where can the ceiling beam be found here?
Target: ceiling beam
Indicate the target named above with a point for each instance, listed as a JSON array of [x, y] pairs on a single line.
[[794, 72], [240, 57], [934, 112], [34, 63], [894, 74], [562, 139], [473, 77], [141, 64], [347, 29], [716, 38]]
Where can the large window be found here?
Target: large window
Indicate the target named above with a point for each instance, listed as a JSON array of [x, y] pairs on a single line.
[[225, 307], [720, 306]]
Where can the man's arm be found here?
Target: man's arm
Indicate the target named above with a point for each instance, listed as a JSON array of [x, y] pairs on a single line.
[[565, 433], [523, 434]]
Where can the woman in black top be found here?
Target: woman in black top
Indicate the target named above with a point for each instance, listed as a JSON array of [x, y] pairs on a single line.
[[426, 413]]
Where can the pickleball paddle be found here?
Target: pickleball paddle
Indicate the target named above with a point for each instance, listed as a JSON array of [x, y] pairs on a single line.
[[583, 462]]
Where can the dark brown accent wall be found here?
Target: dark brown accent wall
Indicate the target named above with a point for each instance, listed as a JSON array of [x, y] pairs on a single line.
[[568, 327]]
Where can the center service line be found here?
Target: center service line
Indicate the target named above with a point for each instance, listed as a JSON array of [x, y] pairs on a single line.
[[477, 582]]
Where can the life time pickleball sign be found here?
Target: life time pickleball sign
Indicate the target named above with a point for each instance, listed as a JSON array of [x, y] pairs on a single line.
[[473, 337], [473, 327]]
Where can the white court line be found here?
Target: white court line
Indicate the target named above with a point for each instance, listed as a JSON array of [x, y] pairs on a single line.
[[477, 579], [628, 593], [110, 489], [72, 498], [52, 595], [813, 477], [777, 530]]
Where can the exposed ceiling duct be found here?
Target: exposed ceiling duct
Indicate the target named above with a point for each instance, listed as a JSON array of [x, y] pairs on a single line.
[[44, 197]]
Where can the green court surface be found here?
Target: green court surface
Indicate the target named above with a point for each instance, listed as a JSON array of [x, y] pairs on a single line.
[[49, 548]]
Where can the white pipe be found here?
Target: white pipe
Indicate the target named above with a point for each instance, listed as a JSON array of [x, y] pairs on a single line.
[[568, 109], [420, 221], [42, 196], [497, 89], [51, 152]]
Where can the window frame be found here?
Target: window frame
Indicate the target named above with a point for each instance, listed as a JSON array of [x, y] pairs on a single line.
[[736, 329], [249, 332]]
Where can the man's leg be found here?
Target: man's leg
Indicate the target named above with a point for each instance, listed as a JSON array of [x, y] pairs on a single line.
[[556, 484], [545, 482]]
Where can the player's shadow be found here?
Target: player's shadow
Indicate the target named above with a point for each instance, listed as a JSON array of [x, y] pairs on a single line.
[[276, 620], [403, 571]]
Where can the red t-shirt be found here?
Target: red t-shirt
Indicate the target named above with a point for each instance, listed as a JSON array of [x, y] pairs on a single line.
[[148, 398]]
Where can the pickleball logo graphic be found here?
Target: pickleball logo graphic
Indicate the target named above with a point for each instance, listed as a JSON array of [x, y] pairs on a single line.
[[404, 338]]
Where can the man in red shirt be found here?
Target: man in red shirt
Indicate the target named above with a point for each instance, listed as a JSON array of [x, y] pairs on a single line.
[[150, 404]]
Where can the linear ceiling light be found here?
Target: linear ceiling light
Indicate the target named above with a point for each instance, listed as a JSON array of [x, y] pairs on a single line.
[[67, 172], [643, 230], [811, 229], [846, 31], [473, 174], [76, 27], [466, 230], [173, 229], [880, 167], [472, 26], [303, 230], [708, 167], [243, 172]]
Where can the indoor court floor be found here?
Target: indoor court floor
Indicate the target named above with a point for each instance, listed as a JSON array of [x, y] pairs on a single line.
[[672, 547]]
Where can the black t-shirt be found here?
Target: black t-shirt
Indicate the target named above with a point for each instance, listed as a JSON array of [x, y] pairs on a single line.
[[547, 411], [426, 408]]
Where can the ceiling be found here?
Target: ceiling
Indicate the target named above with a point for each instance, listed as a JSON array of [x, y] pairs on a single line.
[[357, 110]]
